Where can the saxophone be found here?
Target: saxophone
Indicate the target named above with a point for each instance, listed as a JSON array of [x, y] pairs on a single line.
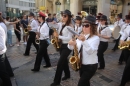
[[74, 60], [124, 45], [55, 40]]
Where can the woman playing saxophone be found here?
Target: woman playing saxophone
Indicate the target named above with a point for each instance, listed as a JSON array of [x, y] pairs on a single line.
[[87, 45]]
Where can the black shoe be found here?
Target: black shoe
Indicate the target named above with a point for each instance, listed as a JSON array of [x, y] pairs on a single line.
[[34, 70], [25, 54], [120, 63], [100, 68], [65, 78], [47, 66], [54, 84]]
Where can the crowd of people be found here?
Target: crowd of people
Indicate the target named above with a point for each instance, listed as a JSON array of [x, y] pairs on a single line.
[[92, 42]]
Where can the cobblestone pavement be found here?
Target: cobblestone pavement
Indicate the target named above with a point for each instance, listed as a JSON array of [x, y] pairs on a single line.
[[110, 76]]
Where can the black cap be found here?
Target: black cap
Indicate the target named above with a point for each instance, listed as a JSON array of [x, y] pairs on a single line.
[[67, 12], [127, 17], [119, 15], [103, 17], [31, 14], [78, 18], [90, 19]]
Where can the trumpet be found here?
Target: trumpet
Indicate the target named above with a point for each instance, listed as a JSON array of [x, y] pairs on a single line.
[[55, 41], [124, 45]]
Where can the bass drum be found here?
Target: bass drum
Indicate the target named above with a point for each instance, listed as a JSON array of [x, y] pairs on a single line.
[[115, 33]]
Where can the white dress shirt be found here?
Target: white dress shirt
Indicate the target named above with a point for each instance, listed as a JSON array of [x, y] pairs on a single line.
[[105, 32], [2, 41], [90, 47], [78, 28], [123, 28], [126, 34], [66, 35], [34, 25], [44, 31], [120, 23]]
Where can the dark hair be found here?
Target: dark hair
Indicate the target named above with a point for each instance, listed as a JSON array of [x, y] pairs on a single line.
[[7, 18], [68, 21], [42, 17], [49, 14], [1, 19], [93, 30], [54, 14]]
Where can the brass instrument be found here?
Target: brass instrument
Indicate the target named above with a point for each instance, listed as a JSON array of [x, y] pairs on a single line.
[[74, 60], [55, 41], [84, 14], [37, 41], [124, 45], [26, 29]]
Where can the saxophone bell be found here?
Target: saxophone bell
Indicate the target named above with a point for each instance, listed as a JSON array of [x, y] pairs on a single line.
[[37, 41]]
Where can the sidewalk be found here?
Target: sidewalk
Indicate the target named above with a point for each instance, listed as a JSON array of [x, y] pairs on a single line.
[[110, 76]]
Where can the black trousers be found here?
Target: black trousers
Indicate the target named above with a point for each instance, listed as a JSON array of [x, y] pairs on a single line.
[[31, 39], [101, 49], [42, 52], [126, 73], [124, 55], [18, 35], [86, 73], [3, 73], [116, 43], [62, 64], [8, 66]]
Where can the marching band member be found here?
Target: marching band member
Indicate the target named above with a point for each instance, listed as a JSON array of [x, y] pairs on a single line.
[[3, 71], [32, 34], [127, 22], [64, 36], [78, 24], [88, 43], [126, 73], [43, 33], [104, 34], [119, 22]]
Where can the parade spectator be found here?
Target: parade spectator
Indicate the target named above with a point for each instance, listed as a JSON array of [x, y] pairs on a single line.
[[17, 31], [24, 23], [49, 19], [9, 30]]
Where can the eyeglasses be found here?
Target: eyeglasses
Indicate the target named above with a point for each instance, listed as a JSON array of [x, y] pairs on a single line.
[[85, 24], [64, 16]]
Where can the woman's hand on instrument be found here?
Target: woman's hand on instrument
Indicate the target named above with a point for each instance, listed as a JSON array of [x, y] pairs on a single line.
[[55, 34], [37, 37], [81, 37], [71, 42], [121, 42], [29, 28]]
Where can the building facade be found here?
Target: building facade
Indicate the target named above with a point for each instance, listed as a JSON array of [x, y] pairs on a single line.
[[15, 8], [3, 7], [107, 7]]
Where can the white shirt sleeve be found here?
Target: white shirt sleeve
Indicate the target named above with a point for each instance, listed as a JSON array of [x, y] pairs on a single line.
[[70, 47], [34, 25], [68, 37], [44, 31], [2, 41], [90, 48], [125, 34]]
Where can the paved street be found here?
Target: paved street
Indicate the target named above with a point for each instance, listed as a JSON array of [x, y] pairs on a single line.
[[22, 66]]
